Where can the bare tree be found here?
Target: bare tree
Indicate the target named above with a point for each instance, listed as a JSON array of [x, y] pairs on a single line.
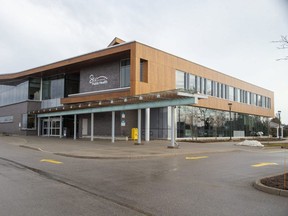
[[283, 45]]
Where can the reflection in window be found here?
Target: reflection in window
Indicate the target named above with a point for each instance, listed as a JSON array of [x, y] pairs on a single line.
[[53, 88], [180, 80], [28, 121], [125, 73]]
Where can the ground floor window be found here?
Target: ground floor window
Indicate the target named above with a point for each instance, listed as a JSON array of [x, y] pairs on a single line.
[[202, 122], [28, 121]]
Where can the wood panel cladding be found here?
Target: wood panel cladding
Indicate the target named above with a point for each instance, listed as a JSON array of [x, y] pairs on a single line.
[[162, 67]]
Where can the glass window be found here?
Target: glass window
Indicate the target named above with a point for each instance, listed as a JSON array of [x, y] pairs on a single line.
[[52, 88], [14, 94], [125, 73], [231, 93], [192, 82], [72, 84], [208, 87], [34, 89], [143, 70], [28, 121], [180, 80]]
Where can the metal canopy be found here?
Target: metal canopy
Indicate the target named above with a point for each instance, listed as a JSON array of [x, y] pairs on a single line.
[[155, 100]]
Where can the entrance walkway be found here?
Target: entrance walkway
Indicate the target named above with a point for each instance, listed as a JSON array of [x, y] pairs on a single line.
[[104, 149]]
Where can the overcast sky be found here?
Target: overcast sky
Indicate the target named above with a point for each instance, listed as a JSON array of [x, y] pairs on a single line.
[[231, 36]]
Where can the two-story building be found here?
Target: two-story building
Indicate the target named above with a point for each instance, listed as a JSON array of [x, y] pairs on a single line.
[[129, 85]]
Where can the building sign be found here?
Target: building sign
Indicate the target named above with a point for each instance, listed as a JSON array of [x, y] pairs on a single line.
[[101, 80], [6, 119]]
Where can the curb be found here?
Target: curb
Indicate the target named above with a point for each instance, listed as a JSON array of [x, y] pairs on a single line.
[[30, 147], [258, 185]]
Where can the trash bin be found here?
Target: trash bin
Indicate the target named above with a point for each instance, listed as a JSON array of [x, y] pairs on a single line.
[[134, 133]]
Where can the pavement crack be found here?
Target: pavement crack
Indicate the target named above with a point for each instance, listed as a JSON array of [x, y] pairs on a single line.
[[59, 180]]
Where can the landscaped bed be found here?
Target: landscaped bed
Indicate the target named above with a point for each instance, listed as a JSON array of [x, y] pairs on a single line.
[[276, 182]]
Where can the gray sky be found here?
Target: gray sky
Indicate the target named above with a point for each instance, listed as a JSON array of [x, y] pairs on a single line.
[[230, 36]]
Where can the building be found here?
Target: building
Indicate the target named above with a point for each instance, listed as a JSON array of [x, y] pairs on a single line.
[[107, 92]]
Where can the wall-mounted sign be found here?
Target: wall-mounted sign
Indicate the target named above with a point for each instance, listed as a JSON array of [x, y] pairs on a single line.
[[101, 80], [123, 123], [6, 119]]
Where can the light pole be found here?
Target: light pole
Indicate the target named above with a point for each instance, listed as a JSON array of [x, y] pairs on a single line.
[[279, 117], [230, 106]]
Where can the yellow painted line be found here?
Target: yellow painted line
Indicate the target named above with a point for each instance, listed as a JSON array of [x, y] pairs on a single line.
[[196, 158], [51, 161], [264, 164]]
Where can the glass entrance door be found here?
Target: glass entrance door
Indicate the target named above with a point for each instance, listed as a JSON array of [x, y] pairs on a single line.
[[51, 128]]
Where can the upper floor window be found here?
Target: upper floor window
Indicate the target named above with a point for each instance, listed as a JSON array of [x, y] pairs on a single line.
[[53, 87], [180, 80], [125, 73], [143, 70]]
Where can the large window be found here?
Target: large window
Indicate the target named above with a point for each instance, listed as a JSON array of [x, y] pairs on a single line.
[[13, 94], [53, 88], [34, 89], [212, 88], [125, 73], [28, 121]]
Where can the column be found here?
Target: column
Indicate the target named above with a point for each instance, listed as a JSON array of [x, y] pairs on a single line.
[[139, 126], [113, 127], [61, 126], [281, 133], [49, 126], [173, 143], [38, 126], [147, 124], [75, 126], [278, 132], [92, 126]]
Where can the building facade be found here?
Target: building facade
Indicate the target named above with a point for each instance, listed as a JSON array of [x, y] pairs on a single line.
[[107, 93]]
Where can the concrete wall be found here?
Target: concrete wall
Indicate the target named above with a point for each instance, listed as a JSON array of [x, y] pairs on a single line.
[[16, 110]]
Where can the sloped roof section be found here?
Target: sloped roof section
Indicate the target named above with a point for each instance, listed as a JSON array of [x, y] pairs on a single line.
[[116, 41]]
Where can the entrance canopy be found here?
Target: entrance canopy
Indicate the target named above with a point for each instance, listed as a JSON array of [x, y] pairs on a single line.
[[153, 100]]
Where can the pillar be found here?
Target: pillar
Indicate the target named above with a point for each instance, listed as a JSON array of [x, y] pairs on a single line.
[[278, 132], [49, 127], [75, 126], [147, 124], [113, 127], [38, 126], [173, 143], [61, 127], [92, 126], [139, 126]]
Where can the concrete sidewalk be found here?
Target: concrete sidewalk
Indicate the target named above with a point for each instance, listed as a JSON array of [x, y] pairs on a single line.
[[104, 149]]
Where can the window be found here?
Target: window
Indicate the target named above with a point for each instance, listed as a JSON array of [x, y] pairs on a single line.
[[13, 94], [53, 87], [34, 89], [208, 87], [192, 82], [125, 73], [28, 121], [180, 80], [143, 70], [230, 93]]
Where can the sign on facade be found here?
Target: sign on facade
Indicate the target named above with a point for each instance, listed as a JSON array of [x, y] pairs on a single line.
[[101, 80], [6, 119]]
